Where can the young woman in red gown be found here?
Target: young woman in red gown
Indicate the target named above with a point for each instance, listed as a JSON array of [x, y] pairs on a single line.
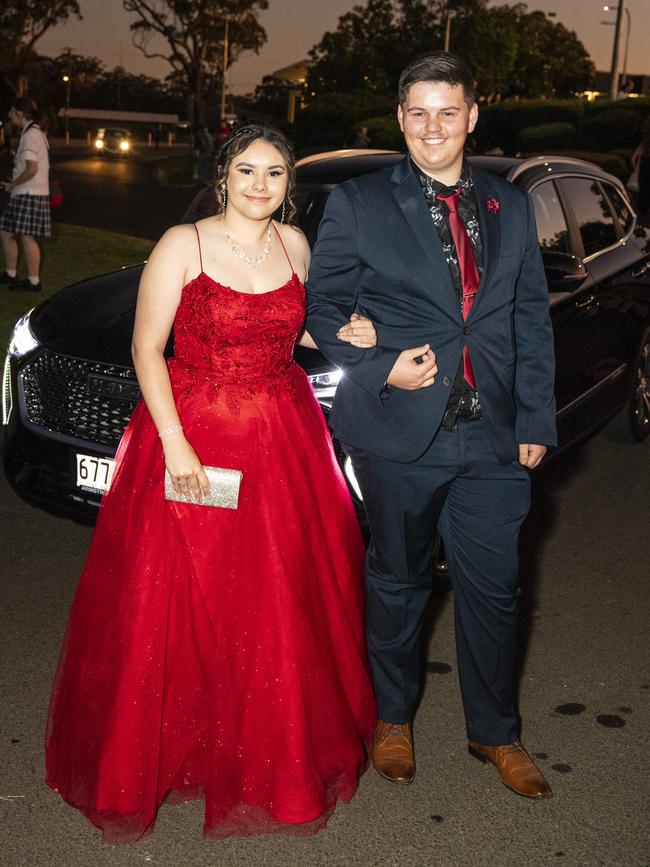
[[210, 652]]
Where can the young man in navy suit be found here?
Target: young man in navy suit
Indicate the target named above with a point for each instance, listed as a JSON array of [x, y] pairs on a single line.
[[446, 415]]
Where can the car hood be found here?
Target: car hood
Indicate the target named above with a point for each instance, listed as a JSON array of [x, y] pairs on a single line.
[[94, 319]]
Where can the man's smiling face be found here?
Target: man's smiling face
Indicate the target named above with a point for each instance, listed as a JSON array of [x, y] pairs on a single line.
[[436, 121]]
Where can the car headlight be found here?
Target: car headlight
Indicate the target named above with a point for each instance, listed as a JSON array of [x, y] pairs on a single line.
[[325, 384], [7, 395], [22, 339], [124, 145], [99, 144]]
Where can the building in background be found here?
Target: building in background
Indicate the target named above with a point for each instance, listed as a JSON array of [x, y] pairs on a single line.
[[640, 86], [295, 74]]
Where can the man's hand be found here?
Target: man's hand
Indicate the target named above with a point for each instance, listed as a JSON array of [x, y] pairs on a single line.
[[531, 455], [411, 374]]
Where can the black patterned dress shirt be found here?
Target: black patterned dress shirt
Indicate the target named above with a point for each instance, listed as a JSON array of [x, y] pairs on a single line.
[[463, 401]]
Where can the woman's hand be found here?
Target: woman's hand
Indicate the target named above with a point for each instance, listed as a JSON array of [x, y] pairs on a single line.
[[184, 467], [359, 331]]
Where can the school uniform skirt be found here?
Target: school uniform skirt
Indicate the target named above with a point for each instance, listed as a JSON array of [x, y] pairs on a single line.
[[27, 215]]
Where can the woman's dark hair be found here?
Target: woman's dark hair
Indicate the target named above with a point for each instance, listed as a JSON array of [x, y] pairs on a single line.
[[440, 66], [242, 137], [26, 105]]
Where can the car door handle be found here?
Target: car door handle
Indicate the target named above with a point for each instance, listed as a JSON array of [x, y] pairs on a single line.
[[639, 272], [589, 302]]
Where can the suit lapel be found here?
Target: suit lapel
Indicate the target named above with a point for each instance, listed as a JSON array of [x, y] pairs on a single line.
[[409, 197], [490, 226]]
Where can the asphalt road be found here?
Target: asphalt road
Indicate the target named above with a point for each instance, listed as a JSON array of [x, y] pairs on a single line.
[[584, 698], [130, 196]]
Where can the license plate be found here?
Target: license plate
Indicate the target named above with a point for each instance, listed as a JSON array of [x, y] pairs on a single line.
[[94, 474]]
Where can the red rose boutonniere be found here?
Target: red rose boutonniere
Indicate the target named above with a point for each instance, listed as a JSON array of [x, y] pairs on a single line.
[[493, 206]]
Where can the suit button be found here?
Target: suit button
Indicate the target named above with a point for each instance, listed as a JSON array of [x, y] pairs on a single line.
[[466, 330], [446, 380]]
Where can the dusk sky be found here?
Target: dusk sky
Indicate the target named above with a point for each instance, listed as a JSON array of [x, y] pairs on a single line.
[[294, 26]]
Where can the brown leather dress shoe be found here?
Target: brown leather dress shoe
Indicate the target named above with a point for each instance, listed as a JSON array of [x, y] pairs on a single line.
[[516, 768], [392, 752]]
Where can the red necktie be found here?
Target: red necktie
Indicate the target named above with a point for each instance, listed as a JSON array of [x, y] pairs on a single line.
[[468, 271]]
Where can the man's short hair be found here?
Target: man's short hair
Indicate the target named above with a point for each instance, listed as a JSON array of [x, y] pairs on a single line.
[[440, 66]]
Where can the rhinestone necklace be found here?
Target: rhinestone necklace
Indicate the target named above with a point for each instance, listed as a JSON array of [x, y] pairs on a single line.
[[252, 261]]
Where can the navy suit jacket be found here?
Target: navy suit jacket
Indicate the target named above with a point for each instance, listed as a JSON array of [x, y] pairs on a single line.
[[378, 253]]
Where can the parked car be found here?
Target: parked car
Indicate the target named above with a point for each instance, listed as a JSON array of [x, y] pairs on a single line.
[[69, 386], [113, 140]]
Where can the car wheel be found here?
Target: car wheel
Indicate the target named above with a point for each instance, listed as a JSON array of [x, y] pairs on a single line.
[[632, 424]]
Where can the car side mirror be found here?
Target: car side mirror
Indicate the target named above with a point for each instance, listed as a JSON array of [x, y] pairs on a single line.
[[563, 271]]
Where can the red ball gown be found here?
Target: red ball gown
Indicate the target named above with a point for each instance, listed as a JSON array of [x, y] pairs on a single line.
[[214, 653]]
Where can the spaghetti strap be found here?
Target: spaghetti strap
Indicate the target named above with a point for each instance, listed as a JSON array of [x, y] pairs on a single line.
[[284, 248], [198, 239]]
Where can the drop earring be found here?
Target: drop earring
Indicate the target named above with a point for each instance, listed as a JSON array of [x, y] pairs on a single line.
[[284, 209]]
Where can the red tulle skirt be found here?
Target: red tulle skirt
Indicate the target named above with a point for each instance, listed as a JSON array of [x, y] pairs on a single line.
[[215, 653]]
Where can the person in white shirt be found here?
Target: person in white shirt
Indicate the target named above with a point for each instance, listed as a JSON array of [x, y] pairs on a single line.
[[26, 216]]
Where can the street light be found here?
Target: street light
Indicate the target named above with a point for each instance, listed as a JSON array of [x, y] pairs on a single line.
[[450, 14], [620, 9], [67, 79], [628, 21]]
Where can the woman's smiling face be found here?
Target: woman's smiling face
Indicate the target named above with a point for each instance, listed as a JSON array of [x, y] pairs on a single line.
[[257, 181]]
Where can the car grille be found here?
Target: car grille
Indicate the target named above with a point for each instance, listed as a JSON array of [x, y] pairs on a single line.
[[86, 400]]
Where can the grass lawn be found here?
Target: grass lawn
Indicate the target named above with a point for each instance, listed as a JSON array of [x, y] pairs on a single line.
[[71, 254]]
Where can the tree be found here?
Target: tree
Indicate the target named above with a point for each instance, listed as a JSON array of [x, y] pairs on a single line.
[[518, 53], [367, 49], [47, 80], [511, 51], [488, 38], [22, 24], [93, 86], [119, 89], [551, 60], [192, 32]]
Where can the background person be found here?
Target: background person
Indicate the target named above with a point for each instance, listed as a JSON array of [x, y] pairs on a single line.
[[625, 89], [204, 144], [26, 216], [222, 134], [361, 138]]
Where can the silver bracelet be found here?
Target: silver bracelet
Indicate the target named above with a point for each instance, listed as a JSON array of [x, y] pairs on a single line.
[[169, 430]]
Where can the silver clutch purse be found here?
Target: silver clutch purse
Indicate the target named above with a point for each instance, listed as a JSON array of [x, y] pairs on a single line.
[[224, 489]]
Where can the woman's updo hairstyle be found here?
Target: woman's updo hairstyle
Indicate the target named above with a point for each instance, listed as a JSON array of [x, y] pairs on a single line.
[[242, 137]]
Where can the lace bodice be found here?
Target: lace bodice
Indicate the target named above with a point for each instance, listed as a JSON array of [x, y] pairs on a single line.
[[234, 336]]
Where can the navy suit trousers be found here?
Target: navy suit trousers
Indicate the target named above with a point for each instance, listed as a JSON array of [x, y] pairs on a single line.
[[478, 505]]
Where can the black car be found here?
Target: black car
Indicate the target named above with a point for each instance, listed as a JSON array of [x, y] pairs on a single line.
[[69, 386], [114, 141]]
